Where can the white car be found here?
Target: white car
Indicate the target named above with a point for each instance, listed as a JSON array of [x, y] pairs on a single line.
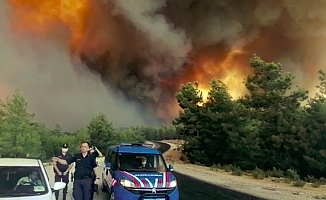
[[24, 179]]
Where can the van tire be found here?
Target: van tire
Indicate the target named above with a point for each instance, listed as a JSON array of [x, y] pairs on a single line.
[[111, 196]]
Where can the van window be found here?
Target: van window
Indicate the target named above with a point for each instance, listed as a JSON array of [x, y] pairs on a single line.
[[141, 162], [113, 161], [108, 156]]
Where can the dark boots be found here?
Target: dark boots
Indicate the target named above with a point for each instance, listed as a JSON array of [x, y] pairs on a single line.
[[64, 197]]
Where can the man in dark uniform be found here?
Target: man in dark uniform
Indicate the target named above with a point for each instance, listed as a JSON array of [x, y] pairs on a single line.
[[84, 167], [96, 153], [62, 171]]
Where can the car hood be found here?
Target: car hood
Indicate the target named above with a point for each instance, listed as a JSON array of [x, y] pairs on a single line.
[[148, 179], [42, 197]]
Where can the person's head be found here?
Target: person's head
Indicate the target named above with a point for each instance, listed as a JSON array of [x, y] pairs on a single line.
[[84, 147], [143, 160], [33, 175], [64, 148]]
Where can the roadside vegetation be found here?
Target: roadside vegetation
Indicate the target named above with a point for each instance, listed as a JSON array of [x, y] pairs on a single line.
[[275, 130], [19, 131]]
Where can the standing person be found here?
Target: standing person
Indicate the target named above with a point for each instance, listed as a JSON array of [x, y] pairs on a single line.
[[61, 172], [84, 167], [96, 153]]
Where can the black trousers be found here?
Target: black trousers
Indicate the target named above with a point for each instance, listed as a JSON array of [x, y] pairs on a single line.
[[82, 189], [62, 178], [93, 185]]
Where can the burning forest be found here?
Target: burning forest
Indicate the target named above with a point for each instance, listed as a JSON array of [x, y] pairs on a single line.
[[146, 49]]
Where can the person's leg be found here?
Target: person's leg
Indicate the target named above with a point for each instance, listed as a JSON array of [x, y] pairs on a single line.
[[93, 186], [65, 190], [87, 188], [77, 191], [57, 178]]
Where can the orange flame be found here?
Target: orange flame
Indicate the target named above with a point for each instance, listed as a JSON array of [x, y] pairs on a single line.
[[43, 17], [230, 71]]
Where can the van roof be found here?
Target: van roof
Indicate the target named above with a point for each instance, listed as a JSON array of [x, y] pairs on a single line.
[[137, 148]]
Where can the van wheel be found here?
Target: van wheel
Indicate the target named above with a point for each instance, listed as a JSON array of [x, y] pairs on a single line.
[[112, 196]]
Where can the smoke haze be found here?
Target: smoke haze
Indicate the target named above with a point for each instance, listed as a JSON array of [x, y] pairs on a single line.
[[56, 90], [145, 49]]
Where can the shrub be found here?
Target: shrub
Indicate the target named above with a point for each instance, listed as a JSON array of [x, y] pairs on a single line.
[[228, 168], [292, 175], [277, 173], [258, 173], [311, 179], [299, 183], [315, 184], [287, 180], [214, 168], [237, 172], [322, 180], [219, 166]]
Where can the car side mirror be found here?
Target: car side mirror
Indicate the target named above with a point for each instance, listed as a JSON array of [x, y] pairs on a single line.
[[170, 167], [58, 186]]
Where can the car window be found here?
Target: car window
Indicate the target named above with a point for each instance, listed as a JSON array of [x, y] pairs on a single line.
[[22, 181], [141, 162]]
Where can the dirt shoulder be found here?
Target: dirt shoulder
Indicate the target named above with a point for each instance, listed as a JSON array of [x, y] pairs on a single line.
[[246, 184]]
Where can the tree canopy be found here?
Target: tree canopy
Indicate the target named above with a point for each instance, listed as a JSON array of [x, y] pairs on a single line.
[[22, 136], [270, 126]]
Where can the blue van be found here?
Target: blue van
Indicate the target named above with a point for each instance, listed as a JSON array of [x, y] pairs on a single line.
[[138, 172]]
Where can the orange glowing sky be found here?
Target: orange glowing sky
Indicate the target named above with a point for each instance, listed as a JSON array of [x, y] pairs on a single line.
[[43, 17]]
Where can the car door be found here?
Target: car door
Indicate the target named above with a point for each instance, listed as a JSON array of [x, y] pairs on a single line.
[[106, 167], [111, 169]]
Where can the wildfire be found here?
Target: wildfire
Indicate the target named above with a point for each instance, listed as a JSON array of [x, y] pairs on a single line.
[[44, 17], [230, 71]]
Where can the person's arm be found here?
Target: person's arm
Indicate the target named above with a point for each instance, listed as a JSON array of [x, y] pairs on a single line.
[[99, 153], [64, 162], [56, 168], [18, 183], [69, 167], [95, 169]]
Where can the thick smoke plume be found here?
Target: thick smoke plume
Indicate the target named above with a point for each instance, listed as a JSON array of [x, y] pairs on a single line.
[[56, 90], [147, 48]]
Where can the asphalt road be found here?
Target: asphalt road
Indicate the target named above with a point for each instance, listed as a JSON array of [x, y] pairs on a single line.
[[190, 188]]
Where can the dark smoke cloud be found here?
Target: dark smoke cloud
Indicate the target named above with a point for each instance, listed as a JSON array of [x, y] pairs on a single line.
[[152, 40], [146, 48]]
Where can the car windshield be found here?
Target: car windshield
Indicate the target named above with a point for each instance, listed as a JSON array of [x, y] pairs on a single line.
[[21, 181], [141, 162]]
